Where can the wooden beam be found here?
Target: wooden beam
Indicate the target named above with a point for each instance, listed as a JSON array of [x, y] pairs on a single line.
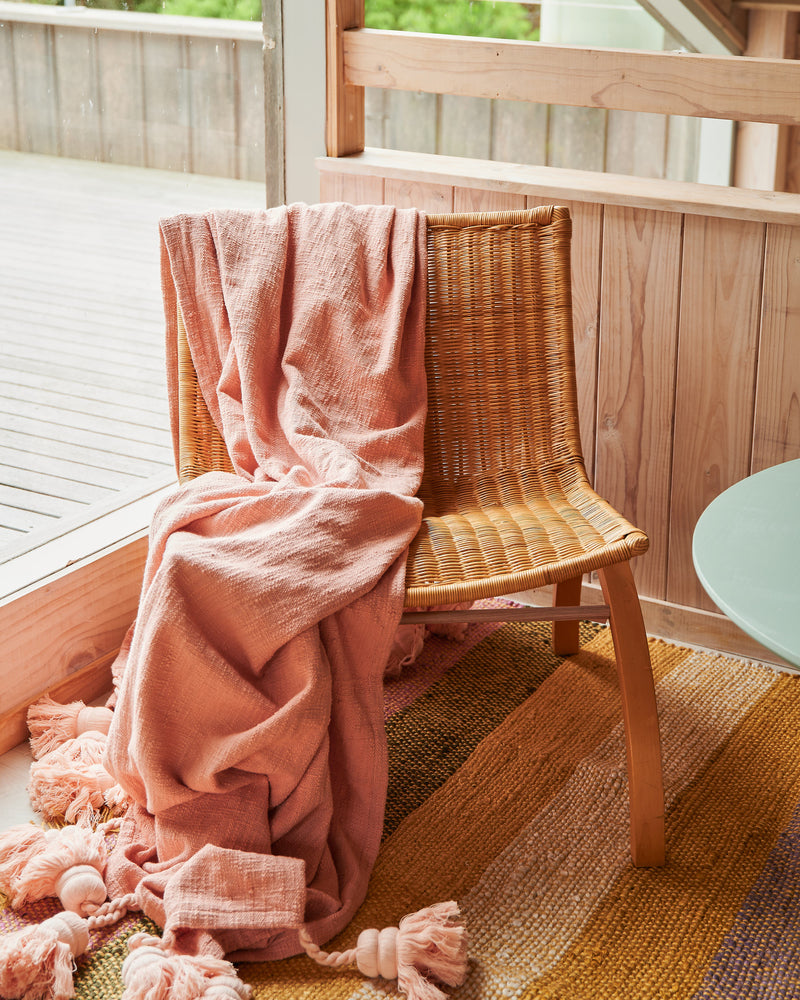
[[676, 83], [698, 28], [762, 149], [768, 5], [344, 126], [725, 24], [558, 184]]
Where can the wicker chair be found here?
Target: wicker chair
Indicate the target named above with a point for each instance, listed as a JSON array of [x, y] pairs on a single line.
[[508, 506]]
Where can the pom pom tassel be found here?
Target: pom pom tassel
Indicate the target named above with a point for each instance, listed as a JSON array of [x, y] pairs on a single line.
[[37, 961], [71, 783], [152, 972], [430, 943], [51, 724], [67, 863]]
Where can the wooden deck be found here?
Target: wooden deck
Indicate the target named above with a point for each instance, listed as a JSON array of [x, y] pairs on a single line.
[[83, 413]]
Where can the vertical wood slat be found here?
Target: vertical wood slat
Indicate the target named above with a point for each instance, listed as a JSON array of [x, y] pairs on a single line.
[[636, 376], [36, 90], [119, 76], [715, 387], [776, 436], [475, 200], [351, 188], [577, 138], [636, 143], [519, 132], [587, 225], [167, 107], [344, 128], [77, 97], [428, 197], [213, 123], [9, 129], [464, 126], [249, 111], [410, 120]]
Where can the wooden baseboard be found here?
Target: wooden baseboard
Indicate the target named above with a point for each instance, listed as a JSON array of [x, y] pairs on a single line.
[[86, 684], [682, 625]]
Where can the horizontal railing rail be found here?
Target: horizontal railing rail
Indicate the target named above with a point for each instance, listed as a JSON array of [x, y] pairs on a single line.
[[675, 83], [114, 20]]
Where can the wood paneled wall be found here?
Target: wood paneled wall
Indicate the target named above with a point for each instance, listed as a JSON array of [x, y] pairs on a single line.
[[687, 334], [144, 90]]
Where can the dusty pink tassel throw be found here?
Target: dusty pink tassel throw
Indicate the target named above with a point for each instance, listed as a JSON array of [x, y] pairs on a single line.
[[37, 961], [71, 783], [67, 863], [51, 724], [151, 972], [430, 943]]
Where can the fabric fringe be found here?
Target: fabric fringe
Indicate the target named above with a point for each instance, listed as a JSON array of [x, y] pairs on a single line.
[[429, 943], [71, 783], [50, 724]]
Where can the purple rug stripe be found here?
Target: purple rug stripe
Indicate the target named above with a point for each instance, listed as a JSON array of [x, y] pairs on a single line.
[[760, 957]]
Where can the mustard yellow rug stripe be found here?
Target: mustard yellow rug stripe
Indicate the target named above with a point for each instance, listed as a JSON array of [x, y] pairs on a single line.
[[656, 931], [441, 850], [444, 846], [538, 895]]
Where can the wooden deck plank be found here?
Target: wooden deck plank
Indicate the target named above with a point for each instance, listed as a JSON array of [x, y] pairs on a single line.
[[74, 375], [38, 503], [44, 448], [87, 404], [57, 465], [100, 443], [83, 413], [49, 485]]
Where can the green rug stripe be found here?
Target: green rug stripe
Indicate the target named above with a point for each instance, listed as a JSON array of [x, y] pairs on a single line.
[[431, 739]]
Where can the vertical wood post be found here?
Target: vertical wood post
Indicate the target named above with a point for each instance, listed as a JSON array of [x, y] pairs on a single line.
[[274, 138], [762, 149], [344, 127]]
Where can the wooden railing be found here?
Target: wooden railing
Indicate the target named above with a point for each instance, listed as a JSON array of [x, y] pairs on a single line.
[[686, 297], [177, 93]]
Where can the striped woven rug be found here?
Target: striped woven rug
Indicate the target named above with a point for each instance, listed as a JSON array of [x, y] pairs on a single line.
[[507, 793]]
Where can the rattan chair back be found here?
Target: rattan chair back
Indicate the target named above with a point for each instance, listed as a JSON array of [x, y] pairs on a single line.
[[499, 351]]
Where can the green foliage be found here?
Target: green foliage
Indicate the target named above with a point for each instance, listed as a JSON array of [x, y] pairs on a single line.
[[240, 10], [449, 17], [453, 17]]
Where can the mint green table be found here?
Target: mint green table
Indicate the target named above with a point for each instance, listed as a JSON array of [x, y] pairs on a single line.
[[746, 550]]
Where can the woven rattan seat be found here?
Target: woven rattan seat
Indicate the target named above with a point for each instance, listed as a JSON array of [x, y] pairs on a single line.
[[508, 506]]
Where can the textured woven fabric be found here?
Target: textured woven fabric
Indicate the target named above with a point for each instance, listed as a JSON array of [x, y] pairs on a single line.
[[248, 727], [508, 792]]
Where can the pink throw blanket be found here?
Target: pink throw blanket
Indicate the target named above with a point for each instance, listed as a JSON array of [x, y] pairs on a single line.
[[248, 727]]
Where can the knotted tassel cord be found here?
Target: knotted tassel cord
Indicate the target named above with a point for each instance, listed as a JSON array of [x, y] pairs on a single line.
[[431, 942]]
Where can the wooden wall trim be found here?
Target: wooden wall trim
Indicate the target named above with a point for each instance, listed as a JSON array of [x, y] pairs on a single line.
[[66, 609], [673, 83], [681, 625], [90, 682], [559, 184]]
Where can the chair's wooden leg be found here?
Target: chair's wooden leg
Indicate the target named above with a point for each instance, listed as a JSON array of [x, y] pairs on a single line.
[[567, 594], [640, 714]]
